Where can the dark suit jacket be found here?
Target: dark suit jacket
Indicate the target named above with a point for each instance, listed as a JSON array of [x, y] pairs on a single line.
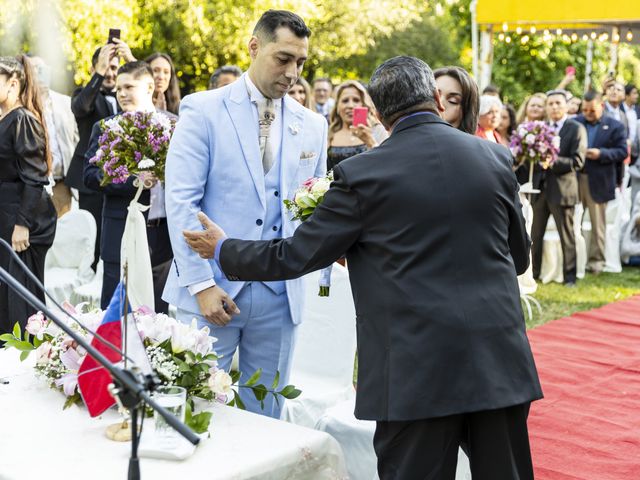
[[116, 201], [560, 182], [603, 175], [89, 106], [434, 236]]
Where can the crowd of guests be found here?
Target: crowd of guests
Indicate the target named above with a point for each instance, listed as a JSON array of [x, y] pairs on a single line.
[[47, 138]]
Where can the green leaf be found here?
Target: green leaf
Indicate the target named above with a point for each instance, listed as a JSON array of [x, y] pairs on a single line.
[[16, 330], [274, 385], [37, 342], [290, 392], [260, 392], [5, 337], [254, 378], [238, 401], [235, 376], [199, 422], [72, 400], [24, 355], [20, 345]]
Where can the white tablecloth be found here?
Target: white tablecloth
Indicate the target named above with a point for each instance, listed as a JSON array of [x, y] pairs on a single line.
[[40, 440]]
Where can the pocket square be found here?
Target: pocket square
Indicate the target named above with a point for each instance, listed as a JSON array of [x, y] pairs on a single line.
[[306, 155], [605, 127]]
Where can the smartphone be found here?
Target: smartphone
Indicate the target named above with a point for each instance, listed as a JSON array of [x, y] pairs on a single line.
[[360, 116], [113, 33], [570, 70]]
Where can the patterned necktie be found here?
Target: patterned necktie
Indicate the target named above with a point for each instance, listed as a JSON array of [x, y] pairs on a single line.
[[266, 116]]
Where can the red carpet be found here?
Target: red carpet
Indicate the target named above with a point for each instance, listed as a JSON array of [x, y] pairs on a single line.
[[588, 425]]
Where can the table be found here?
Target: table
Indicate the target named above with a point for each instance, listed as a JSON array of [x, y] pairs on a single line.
[[40, 440]]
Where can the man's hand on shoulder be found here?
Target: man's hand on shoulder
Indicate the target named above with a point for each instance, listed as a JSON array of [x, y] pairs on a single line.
[[204, 242], [216, 305]]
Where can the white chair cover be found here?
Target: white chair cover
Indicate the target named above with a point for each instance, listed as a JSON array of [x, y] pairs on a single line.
[[90, 292], [526, 282], [68, 261], [356, 440], [323, 359], [615, 215]]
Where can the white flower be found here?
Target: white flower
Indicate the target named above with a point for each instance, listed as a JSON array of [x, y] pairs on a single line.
[[220, 382], [146, 163], [43, 353], [530, 139], [321, 186], [156, 328], [161, 120], [36, 325], [556, 141], [113, 124], [522, 132]]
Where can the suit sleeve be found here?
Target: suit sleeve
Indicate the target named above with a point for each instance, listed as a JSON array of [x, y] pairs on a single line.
[[519, 241], [92, 173], [332, 229], [574, 162], [617, 151], [186, 174], [321, 168], [83, 101]]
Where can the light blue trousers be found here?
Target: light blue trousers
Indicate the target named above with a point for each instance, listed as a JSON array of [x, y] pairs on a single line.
[[263, 333]]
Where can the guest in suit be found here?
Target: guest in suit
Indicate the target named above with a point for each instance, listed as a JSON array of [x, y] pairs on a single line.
[[63, 134], [438, 310], [490, 118], [27, 215], [224, 76], [90, 104], [345, 139], [247, 146], [459, 93], [607, 149], [134, 86], [614, 104], [322, 91], [558, 185]]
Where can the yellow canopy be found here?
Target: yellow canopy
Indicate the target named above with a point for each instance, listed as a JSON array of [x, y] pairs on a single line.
[[553, 14]]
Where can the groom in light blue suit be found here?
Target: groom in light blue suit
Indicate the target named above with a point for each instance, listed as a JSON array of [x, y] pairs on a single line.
[[217, 164]]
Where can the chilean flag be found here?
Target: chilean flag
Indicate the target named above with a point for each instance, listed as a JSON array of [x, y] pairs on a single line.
[[93, 378]]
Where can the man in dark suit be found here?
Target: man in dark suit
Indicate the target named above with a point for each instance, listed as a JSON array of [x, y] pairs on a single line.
[[135, 93], [558, 187], [607, 149], [434, 238], [90, 104]]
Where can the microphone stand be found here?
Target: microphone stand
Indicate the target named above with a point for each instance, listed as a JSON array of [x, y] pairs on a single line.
[[132, 387]]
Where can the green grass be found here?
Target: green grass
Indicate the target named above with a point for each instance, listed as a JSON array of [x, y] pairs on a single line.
[[593, 291]]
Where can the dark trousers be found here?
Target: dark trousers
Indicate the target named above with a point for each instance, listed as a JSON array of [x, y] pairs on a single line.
[[161, 257], [563, 216], [497, 442], [92, 203]]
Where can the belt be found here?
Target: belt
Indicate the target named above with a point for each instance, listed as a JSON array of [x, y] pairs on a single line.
[[156, 222]]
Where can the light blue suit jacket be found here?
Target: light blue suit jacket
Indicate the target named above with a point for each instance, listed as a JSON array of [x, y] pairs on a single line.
[[214, 165]]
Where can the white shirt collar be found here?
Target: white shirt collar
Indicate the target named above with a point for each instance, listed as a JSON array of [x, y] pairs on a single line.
[[560, 123], [255, 95]]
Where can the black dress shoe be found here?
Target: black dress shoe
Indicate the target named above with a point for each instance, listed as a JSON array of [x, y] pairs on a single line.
[[570, 284]]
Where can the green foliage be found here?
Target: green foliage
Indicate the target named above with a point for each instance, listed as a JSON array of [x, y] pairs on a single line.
[[198, 422]]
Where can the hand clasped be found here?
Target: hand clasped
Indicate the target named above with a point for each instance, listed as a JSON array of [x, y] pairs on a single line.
[[204, 242]]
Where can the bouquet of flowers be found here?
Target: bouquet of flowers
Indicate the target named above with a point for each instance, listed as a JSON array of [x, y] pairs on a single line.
[[304, 203], [180, 355], [534, 142], [131, 143]]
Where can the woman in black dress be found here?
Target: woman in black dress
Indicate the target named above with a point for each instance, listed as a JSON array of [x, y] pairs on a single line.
[[27, 215]]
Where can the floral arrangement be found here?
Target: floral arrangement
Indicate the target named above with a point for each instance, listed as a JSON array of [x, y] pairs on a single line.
[[309, 196], [180, 355], [304, 203], [535, 142], [133, 142]]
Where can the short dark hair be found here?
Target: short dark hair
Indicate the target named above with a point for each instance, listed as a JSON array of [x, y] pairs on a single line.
[[592, 95], [470, 96], [94, 57], [230, 69], [271, 20], [557, 92], [629, 88], [489, 89], [136, 69], [402, 85]]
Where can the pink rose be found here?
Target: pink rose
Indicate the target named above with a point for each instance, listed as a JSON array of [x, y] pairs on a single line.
[[36, 325], [43, 353]]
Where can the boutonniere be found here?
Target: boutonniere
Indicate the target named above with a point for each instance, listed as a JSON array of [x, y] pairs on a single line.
[[294, 128], [605, 127]]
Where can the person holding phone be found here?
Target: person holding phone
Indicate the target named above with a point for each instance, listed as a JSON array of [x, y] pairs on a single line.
[[352, 130]]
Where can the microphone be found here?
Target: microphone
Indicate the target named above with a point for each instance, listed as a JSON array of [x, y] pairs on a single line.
[[39, 284]]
